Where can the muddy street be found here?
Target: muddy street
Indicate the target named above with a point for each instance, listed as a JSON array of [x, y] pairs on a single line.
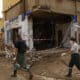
[[50, 67]]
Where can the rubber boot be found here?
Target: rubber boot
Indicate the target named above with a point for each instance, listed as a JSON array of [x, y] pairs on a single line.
[[30, 75], [69, 73], [14, 74]]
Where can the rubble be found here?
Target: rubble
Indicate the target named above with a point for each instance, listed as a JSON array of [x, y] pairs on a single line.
[[50, 67], [19, 77], [39, 55]]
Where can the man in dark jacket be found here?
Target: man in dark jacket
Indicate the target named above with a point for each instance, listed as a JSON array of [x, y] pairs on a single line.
[[21, 47]]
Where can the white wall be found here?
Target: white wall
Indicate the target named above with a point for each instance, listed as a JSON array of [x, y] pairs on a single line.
[[26, 30], [30, 33], [61, 27]]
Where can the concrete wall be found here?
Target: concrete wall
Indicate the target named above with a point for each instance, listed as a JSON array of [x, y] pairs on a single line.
[[66, 6], [30, 30], [25, 29], [13, 12], [79, 18], [63, 28], [1, 23], [8, 3], [27, 32]]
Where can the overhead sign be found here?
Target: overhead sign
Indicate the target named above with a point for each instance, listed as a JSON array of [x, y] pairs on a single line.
[[26, 14], [13, 23]]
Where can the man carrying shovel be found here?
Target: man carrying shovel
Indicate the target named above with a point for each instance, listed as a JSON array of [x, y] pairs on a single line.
[[75, 56]]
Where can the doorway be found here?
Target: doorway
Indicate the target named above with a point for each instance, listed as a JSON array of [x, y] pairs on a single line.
[[60, 37], [43, 33], [15, 32]]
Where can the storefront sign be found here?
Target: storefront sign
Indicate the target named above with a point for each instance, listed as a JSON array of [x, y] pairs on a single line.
[[13, 23], [26, 14], [74, 18]]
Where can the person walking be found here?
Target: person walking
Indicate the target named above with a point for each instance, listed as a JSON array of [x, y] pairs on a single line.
[[75, 56], [21, 48]]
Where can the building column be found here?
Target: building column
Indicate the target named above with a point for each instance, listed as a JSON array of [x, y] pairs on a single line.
[[7, 33], [27, 32], [30, 29]]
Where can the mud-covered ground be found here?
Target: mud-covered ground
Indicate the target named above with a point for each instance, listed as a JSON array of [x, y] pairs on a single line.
[[51, 67]]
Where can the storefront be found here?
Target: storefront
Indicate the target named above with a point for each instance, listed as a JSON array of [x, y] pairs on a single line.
[[49, 29], [40, 29], [10, 27]]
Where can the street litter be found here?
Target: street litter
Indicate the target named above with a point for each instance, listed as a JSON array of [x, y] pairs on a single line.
[[9, 54], [63, 54]]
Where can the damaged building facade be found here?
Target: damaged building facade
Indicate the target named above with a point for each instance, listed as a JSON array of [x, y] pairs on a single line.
[[42, 23]]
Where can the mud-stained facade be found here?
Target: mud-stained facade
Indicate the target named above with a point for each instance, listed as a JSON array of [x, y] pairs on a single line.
[[8, 4], [56, 6], [40, 21]]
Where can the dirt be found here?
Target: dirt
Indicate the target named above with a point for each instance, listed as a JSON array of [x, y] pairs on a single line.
[[6, 70], [54, 68], [51, 67]]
